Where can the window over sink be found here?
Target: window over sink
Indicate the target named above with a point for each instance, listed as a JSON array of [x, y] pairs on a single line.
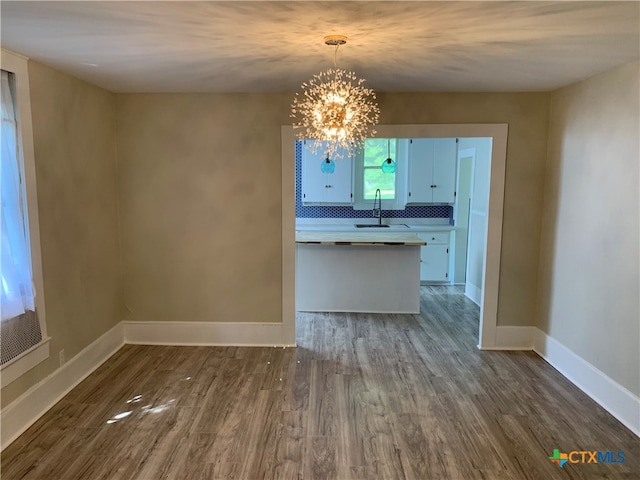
[[369, 176], [376, 152]]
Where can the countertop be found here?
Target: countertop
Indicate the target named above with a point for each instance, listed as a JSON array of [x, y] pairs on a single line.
[[359, 238], [407, 228]]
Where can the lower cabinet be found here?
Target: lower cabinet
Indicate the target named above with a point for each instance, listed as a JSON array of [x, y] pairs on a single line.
[[434, 257]]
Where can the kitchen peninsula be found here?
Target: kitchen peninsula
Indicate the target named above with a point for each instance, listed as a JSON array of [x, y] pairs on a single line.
[[358, 272]]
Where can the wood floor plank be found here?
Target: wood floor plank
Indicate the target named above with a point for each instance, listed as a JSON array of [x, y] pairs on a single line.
[[320, 461], [363, 396], [322, 403]]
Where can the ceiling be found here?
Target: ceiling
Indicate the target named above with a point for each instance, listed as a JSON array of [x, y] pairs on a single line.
[[266, 46]]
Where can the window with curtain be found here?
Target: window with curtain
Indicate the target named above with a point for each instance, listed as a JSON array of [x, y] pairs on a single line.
[[20, 329]]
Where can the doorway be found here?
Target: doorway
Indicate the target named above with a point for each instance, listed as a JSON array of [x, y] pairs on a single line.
[[492, 233], [461, 210]]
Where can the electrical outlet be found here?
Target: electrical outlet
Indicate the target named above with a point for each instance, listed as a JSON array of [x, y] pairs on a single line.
[[62, 357]]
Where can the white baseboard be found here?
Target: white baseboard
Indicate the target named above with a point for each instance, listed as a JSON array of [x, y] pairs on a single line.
[[613, 397], [473, 293], [32, 404], [513, 338], [205, 333]]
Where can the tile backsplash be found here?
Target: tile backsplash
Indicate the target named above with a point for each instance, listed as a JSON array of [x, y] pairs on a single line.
[[344, 211]]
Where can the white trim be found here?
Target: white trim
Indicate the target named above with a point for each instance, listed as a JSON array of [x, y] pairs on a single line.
[[288, 334], [24, 362], [513, 338], [473, 293], [493, 241], [478, 213], [205, 334], [613, 397], [17, 64], [32, 404]]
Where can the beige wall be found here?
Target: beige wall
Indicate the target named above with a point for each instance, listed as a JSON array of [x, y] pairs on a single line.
[[200, 198], [588, 287], [527, 115], [74, 143], [200, 203]]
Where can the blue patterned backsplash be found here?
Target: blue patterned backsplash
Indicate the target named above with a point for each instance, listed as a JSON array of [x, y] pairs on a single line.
[[316, 211]]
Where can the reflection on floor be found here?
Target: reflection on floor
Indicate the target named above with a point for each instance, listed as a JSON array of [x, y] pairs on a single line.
[[362, 397]]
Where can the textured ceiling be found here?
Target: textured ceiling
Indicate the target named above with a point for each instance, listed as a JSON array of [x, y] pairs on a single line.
[[273, 46]]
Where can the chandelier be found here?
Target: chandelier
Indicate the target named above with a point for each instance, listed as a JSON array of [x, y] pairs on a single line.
[[335, 110]]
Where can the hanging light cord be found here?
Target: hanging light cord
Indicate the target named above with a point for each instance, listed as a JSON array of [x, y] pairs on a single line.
[[335, 54]]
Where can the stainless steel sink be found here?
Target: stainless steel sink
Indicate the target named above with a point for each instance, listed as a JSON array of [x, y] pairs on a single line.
[[369, 225]]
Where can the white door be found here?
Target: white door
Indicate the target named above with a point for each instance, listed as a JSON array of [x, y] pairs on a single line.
[[478, 215], [466, 158]]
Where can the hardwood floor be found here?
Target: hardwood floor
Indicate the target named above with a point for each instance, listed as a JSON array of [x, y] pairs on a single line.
[[362, 397]]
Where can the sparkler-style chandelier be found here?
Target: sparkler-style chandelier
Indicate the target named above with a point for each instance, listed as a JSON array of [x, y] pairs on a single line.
[[335, 110]]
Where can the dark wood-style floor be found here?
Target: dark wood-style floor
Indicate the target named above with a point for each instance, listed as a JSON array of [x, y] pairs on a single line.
[[362, 397]]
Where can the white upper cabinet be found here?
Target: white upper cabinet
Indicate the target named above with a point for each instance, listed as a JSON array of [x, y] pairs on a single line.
[[420, 171], [444, 170], [432, 170], [321, 187]]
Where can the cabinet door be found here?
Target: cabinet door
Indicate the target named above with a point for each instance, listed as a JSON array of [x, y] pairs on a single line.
[[313, 179], [339, 184], [444, 170], [420, 171], [434, 263]]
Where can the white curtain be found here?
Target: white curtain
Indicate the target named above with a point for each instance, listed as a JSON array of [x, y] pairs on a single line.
[[15, 264]]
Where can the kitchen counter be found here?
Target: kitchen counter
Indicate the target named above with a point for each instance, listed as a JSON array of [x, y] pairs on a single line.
[[377, 238], [350, 227], [374, 272]]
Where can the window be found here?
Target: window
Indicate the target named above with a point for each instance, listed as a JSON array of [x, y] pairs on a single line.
[[376, 151], [368, 174], [22, 321], [16, 292]]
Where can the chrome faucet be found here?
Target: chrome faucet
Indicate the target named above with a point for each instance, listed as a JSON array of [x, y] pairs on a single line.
[[377, 212]]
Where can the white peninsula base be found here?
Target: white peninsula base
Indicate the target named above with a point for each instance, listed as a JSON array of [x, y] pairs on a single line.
[[360, 277]]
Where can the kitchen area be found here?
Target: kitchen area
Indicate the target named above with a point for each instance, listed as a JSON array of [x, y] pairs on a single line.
[[371, 229]]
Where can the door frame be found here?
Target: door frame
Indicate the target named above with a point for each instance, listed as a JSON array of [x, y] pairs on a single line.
[[491, 279], [463, 153]]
